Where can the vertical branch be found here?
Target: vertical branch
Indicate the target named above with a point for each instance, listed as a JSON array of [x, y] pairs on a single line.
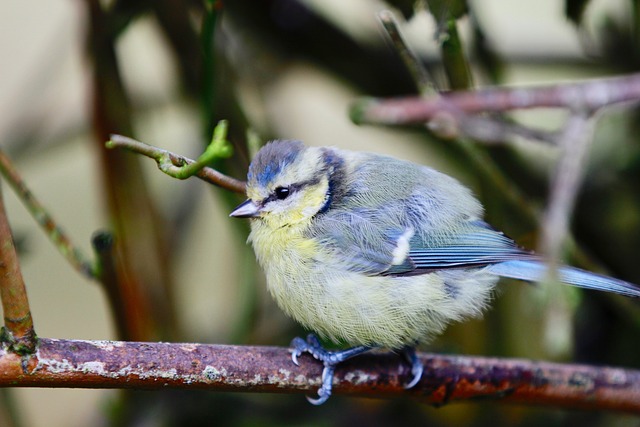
[[107, 273], [574, 145], [454, 60], [141, 260], [13, 293], [210, 15]]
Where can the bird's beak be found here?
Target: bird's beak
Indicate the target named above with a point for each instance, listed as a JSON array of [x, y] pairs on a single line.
[[246, 209]]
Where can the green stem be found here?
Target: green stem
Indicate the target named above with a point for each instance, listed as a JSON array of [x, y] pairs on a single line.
[[454, 60], [181, 167], [210, 17]]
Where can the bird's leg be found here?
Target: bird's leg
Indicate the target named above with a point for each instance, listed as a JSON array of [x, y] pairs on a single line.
[[330, 359], [409, 353]]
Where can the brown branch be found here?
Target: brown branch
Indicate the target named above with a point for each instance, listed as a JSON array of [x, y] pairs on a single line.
[[166, 159], [104, 248], [137, 365], [143, 273], [585, 96], [18, 333]]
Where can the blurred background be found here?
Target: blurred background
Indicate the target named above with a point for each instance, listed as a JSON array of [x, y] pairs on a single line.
[[166, 71]]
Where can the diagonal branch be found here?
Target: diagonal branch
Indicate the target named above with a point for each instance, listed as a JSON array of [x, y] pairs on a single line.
[[420, 75], [447, 379], [39, 212]]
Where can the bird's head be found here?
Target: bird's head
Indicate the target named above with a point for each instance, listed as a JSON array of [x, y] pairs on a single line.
[[289, 183]]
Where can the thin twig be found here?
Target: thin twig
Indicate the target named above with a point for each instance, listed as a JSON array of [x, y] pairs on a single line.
[[446, 379], [58, 237], [493, 129], [167, 160], [19, 335], [484, 128]]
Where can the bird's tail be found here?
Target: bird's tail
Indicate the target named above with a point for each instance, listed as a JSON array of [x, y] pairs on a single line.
[[533, 271]]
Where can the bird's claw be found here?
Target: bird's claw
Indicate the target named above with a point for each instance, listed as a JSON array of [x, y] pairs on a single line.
[[417, 375], [330, 359], [417, 368], [323, 395], [324, 392], [311, 346], [299, 346]]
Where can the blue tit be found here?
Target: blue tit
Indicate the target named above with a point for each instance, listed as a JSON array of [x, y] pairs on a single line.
[[374, 251]]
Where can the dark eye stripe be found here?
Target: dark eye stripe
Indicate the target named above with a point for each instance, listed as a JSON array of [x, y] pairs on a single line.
[[279, 192]]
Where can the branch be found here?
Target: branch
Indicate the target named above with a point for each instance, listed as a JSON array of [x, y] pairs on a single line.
[[585, 96], [58, 237], [411, 61], [168, 162], [143, 271], [454, 61], [575, 142], [18, 333], [146, 365], [104, 248]]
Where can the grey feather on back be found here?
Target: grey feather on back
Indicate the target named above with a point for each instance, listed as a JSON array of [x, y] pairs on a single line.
[[363, 225]]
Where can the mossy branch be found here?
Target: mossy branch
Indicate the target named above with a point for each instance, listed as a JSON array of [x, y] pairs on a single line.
[[39, 212]]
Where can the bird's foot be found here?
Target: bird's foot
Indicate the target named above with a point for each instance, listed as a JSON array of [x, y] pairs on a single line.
[[330, 360], [409, 353]]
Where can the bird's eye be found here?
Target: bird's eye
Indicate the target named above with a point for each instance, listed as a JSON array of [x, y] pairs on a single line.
[[282, 193]]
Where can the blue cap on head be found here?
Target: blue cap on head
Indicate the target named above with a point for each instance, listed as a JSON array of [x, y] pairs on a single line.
[[272, 158]]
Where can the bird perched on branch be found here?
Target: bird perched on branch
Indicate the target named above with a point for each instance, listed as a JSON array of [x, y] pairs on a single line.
[[374, 251]]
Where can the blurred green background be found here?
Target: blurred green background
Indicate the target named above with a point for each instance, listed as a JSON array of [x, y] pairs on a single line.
[[166, 71]]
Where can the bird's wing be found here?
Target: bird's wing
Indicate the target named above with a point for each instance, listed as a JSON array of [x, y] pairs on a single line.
[[392, 248], [395, 217], [361, 240], [476, 244], [384, 242]]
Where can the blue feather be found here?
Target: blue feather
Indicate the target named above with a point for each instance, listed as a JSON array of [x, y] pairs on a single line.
[[481, 246], [533, 271], [478, 246]]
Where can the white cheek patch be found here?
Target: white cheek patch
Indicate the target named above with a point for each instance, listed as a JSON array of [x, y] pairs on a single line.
[[309, 211], [401, 250]]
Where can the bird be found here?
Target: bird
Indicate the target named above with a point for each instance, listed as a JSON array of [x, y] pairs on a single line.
[[376, 252]]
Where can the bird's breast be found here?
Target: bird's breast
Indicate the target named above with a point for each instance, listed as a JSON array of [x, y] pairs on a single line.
[[323, 295]]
